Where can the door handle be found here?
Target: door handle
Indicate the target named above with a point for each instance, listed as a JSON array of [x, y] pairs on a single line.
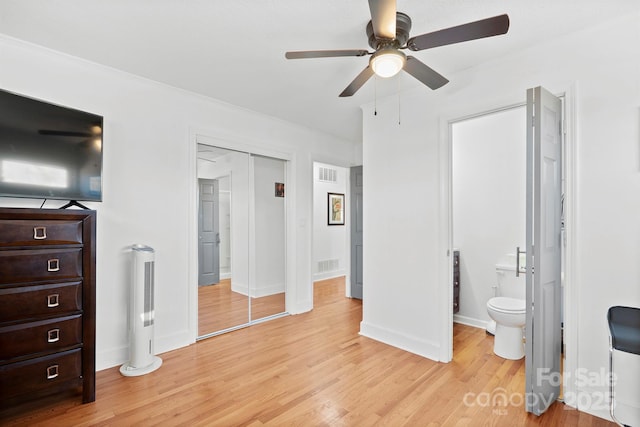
[[218, 238], [518, 252]]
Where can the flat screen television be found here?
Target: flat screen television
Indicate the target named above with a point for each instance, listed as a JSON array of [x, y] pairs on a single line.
[[48, 151]]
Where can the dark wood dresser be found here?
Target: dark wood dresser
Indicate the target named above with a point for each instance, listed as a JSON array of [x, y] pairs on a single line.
[[47, 303]]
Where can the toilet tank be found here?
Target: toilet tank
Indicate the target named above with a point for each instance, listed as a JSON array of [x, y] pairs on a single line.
[[508, 284]]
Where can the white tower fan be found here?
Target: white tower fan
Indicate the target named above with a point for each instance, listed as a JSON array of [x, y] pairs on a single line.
[[142, 359]]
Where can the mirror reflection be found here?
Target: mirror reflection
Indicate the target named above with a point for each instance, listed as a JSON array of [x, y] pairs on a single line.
[[268, 283], [241, 238]]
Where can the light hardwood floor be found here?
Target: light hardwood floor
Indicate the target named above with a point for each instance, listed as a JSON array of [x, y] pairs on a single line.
[[311, 369], [220, 308]]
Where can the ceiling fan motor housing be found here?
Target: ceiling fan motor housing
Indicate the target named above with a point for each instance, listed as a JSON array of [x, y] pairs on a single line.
[[403, 27]]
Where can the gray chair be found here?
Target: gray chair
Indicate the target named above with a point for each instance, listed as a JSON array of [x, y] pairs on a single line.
[[624, 328]]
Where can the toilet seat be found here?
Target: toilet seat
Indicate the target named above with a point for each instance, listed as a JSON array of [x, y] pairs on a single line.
[[507, 305]]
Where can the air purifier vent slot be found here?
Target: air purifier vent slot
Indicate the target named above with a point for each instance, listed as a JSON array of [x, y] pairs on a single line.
[[148, 293]]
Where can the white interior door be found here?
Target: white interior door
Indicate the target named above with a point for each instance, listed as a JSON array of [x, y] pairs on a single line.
[[543, 233]]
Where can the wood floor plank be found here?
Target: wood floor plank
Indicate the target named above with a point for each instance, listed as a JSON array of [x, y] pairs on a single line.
[[312, 369]]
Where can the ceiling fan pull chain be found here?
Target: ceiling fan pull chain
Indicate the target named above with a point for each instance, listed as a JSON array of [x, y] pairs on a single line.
[[375, 95], [398, 90]]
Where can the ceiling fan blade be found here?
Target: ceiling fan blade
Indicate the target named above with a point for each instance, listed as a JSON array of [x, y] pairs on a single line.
[[471, 31], [324, 53], [357, 82], [424, 73], [383, 18]]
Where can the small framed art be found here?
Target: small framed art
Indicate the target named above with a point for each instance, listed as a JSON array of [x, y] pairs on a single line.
[[335, 212], [279, 189]]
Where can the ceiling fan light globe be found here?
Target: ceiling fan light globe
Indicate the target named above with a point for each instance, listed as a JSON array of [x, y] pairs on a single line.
[[388, 63]]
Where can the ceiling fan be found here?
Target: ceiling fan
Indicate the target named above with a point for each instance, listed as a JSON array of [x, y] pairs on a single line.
[[388, 33]]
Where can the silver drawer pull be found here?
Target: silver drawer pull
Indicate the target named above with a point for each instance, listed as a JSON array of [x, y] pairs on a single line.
[[53, 300], [39, 233], [53, 264], [53, 335], [52, 372]]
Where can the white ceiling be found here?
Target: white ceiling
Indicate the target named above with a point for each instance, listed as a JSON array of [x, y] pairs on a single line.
[[233, 50]]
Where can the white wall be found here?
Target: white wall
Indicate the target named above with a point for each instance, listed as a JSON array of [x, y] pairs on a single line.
[[330, 242], [150, 179], [601, 66], [488, 180]]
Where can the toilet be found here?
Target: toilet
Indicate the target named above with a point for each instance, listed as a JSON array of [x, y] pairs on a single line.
[[508, 310]]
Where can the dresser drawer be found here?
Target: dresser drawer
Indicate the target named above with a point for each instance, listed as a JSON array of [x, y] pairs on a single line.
[[28, 302], [40, 264], [41, 336], [15, 232], [34, 375]]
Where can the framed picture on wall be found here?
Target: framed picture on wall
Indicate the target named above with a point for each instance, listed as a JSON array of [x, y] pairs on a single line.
[[279, 189], [335, 210]]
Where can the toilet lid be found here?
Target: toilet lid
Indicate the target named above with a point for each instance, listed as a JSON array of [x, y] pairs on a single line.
[[508, 304]]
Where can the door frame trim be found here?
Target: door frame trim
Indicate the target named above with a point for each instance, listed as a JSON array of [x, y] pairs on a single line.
[[445, 237]]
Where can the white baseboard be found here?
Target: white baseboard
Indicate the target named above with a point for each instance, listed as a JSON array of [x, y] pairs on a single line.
[[328, 275], [112, 357], [240, 288], [470, 321], [268, 290], [300, 307], [428, 349], [259, 292], [119, 355]]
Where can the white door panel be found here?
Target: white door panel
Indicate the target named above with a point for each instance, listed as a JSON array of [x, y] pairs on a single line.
[[544, 195]]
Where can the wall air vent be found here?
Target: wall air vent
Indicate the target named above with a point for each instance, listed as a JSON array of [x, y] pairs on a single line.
[[327, 174], [328, 265]]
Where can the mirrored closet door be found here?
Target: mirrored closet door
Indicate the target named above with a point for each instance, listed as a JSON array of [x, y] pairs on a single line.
[[241, 238], [268, 238]]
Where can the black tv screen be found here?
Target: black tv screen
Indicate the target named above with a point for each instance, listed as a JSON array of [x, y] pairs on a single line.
[[48, 151]]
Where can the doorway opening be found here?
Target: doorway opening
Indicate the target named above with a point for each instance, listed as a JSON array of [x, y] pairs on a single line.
[[488, 209], [484, 188], [330, 250]]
